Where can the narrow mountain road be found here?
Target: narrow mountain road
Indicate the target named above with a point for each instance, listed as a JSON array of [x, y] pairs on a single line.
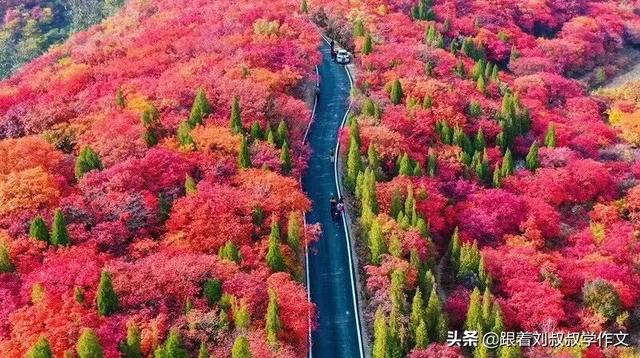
[[331, 275]]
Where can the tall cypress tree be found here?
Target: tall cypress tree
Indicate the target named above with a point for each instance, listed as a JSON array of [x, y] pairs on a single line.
[[236, 116], [87, 161], [285, 158], [38, 229], [304, 7], [241, 316], [184, 136], [417, 310], [244, 158], [42, 349], [272, 320], [190, 186], [380, 336], [474, 321], [131, 348], [88, 345], [550, 137], [120, 101], [106, 297], [59, 233], [212, 291], [367, 45], [282, 133], [240, 348], [421, 335], [434, 317], [294, 231], [396, 203], [200, 109], [376, 242], [203, 352], [274, 258], [507, 164], [532, 160], [354, 164], [269, 135], [405, 167], [172, 347], [256, 131], [229, 251], [396, 93]]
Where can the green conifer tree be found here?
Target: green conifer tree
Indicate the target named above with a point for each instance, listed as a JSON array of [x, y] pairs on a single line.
[[354, 165], [427, 102], [285, 159], [131, 347], [304, 7], [236, 116], [172, 347], [184, 136], [532, 160], [256, 131], [294, 231], [272, 320], [106, 297], [270, 136], [230, 252], [479, 142], [241, 316], [203, 352], [510, 351], [275, 259], [59, 234], [474, 321], [88, 345], [282, 133], [405, 167], [550, 137], [244, 158], [42, 349], [480, 85], [498, 322], [396, 95], [212, 291], [497, 176], [432, 163], [417, 310], [240, 348], [87, 161], [38, 229], [367, 45], [190, 186], [380, 336], [395, 246], [421, 336], [120, 100], [507, 164], [376, 242]]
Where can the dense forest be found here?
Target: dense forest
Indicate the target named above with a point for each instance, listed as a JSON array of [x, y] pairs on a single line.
[[492, 193], [149, 195], [148, 186], [29, 28]]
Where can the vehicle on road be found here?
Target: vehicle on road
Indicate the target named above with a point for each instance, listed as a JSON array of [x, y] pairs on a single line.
[[343, 57]]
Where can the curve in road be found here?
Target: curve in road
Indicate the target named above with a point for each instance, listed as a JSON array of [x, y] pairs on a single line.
[[331, 278]]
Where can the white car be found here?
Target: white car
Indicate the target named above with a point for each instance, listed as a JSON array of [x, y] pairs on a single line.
[[343, 56]]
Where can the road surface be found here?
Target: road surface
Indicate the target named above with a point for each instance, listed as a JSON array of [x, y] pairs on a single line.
[[331, 279]]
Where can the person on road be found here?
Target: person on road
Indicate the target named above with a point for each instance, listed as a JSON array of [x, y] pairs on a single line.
[[340, 206]]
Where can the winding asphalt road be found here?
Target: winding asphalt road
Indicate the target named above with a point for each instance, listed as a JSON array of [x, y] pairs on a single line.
[[331, 279]]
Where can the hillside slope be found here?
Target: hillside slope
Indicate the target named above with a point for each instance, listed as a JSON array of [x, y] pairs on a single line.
[[161, 148]]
